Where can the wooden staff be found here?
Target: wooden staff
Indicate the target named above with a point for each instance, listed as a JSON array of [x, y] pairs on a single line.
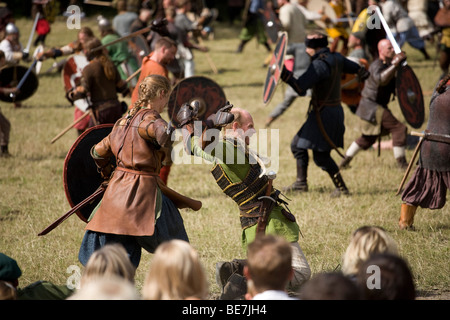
[[413, 159], [129, 36], [134, 74], [70, 127], [211, 63], [99, 3]]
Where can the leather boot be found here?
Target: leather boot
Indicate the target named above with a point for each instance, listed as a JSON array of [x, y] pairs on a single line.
[[406, 220], [402, 163], [341, 188], [235, 288], [4, 152], [225, 269], [241, 46], [301, 184], [345, 163]]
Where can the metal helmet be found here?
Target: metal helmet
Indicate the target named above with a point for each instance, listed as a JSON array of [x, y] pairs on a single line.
[[103, 23], [11, 28]]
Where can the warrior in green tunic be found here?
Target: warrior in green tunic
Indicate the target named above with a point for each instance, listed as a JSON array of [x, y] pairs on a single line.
[[119, 53], [239, 172]]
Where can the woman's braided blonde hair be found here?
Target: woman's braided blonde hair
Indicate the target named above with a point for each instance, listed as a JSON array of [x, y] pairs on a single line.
[[152, 87]]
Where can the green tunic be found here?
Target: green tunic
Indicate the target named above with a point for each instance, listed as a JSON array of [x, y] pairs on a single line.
[[236, 165], [119, 53]]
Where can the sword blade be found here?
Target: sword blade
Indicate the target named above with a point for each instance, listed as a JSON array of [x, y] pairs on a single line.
[[389, 34], [79, 206], [30, 38]]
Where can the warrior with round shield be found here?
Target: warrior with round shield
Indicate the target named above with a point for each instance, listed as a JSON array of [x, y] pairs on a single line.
[[137, 209], [375, 116], [100, 82], [5, 125], [13, 50]]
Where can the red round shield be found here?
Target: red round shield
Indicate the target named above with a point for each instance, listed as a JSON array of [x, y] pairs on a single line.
[[206, 91], [81, 177], [71, 76], [410, 96]]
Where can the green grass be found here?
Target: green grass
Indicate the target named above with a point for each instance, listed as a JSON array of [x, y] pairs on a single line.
[[32, 193]]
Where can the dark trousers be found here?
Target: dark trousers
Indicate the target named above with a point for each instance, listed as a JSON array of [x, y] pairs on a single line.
[[322, 159], [389, 124]]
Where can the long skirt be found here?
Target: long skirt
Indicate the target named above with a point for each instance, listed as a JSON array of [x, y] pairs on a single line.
[[168, 226], [427, 189]]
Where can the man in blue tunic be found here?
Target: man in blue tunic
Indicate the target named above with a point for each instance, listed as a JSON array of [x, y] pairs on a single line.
[[324, 128]]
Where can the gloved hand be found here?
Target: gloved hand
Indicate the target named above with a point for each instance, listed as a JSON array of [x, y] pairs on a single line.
[[398, 58], [106, 171], [269, 121], [285, 74], [363, 74], [223, 116], [187, 113], [25, 56], [160, 26], [69, 95], [170, 128]]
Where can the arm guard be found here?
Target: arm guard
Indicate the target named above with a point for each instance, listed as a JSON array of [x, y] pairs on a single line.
[[156, 130], [104, 167], [387, 74]]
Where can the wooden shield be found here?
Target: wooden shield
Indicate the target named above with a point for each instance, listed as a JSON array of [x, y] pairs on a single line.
[[324, 6], [10, 78], [410, 96], [81, 177], [275, 68], [71, 76], [351, 88], [203, 89]]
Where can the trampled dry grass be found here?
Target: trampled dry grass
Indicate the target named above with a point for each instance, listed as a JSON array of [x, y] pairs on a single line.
[[32, 194]]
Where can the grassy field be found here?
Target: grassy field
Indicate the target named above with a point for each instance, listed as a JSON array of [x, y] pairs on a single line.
[[32, 193]]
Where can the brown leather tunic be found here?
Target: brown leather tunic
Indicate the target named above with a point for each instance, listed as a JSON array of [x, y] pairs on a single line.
[[128, 205]]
